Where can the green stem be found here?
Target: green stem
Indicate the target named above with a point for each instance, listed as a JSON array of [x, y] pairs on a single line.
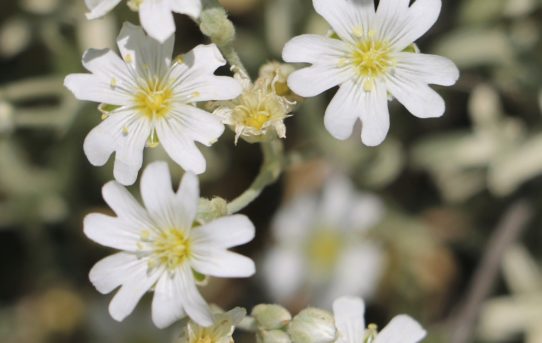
[[272, 167]]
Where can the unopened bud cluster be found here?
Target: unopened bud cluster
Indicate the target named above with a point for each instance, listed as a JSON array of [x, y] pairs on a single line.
[[276, 325]]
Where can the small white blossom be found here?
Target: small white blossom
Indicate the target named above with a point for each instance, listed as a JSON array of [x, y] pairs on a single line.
[[155, 15], [152, 98], [369, 60], [321, 251], [349, 319], [162, 250]]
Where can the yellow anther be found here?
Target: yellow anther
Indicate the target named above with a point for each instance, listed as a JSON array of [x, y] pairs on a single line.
[[179, 59], [368, 85], [358, 31]]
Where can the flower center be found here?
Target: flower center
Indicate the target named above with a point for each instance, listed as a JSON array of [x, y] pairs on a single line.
[[370, 57], [154, 100], [171, 249], [324, 248], [256, 109]]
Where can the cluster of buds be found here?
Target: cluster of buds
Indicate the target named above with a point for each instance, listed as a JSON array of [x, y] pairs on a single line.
[[263, 106], [275, 325]]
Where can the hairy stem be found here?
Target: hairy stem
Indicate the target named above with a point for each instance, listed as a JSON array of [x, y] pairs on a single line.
[[272, 167]]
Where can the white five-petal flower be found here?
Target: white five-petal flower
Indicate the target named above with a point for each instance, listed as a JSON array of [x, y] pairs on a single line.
[[321, 251], [162, 250], [155, 15], [350, 322], [153, 98], [369, 60]]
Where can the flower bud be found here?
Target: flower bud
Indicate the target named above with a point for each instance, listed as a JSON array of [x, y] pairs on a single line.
[[216, 25], [273, 336], [312, 325], [271, 317]]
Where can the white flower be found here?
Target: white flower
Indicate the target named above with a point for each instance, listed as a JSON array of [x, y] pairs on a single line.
[[161, 250], [320, 250], [369, 60], [155, 15], [152, 100], [349, 312]]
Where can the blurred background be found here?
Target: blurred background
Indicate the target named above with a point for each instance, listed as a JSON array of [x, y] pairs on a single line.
[[443, 219]]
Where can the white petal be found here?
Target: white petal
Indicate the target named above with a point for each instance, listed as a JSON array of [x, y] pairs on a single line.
[[289, 264], [225, 232], [111, 68], [112, 271], [345, 16], [188, 197], [129, 153], [104, 139], [111, 232], [403, 329], [99, 8], [421, 16], [159, 199], [314, 80], [191, 8], [157, 19], [375, 116], [93, 88], [167, 305], [416, 96], [133, 288], [314, 49], [209, 260], [358, 270], [349, 318], [336, 201], [431, 69], [194, 305], [201, 126], [125, 205], [390, 19], [204, 59], [295, 220], [344, 110], [199, 86], [180, 146], [144, 54], [365, 212]]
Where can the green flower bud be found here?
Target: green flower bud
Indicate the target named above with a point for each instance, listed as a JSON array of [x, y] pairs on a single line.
[[273, 336], [313, 325], [216, 25], [271, 317]]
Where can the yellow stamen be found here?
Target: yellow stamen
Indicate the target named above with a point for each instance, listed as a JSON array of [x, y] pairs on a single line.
[[171, 249], [154, 100]]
